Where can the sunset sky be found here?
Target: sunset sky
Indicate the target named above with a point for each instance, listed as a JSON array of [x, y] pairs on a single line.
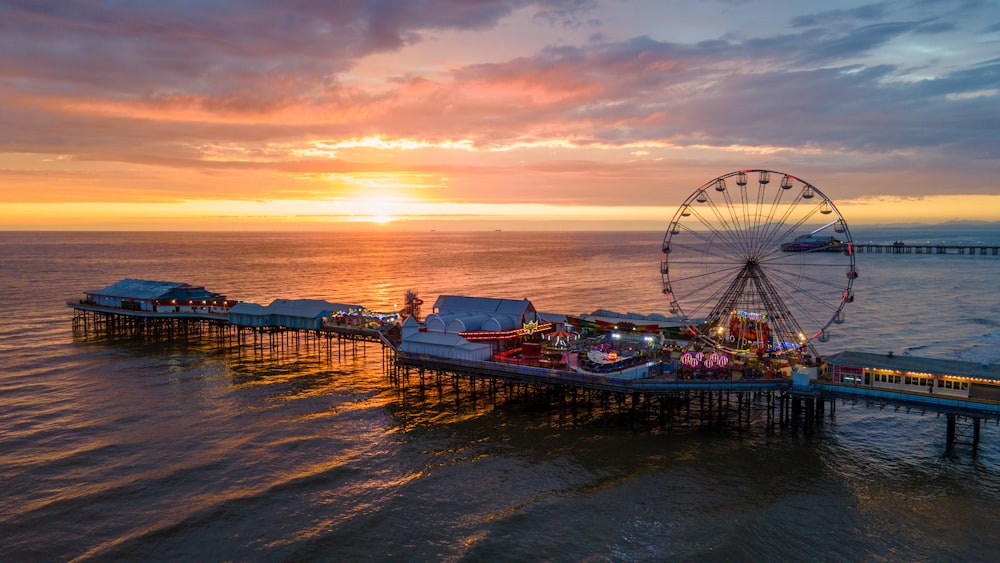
[[486, 114]]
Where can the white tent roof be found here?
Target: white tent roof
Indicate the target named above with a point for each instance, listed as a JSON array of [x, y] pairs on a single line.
[[459, 303]]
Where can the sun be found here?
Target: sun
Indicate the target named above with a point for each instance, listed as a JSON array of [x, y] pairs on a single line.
[[379, 210], [381, 219]]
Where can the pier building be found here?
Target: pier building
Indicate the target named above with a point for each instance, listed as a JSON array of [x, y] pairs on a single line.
[[902, 372], [471, 328], [480, 318], [157, 296], [291, 313]]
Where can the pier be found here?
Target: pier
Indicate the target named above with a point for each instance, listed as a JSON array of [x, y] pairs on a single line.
[[652, 402], [926, 248], [652, 392]]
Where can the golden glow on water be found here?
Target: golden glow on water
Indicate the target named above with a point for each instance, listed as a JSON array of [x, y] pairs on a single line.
[[473, 539]]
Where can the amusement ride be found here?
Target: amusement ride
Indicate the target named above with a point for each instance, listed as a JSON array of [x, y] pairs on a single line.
[[758, 262]]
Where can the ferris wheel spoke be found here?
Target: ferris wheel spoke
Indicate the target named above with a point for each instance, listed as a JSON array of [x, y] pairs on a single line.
[[702, 304], [805, 278], [763, 218], [699, 301], [814, 319], [722, 224], [818, 264], [704, 278], [717, 244], [816, 300], [822, 209], [821, 275], [711, 244], [734, 223], [722, 228], [807, 298], [764, 212], [772, 237], [779, 229]]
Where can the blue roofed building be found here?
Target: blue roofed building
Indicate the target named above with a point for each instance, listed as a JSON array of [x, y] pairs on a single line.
[[311, 314], [157, 297]]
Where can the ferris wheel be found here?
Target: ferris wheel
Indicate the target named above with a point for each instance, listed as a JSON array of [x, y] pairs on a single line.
[[757, 261]]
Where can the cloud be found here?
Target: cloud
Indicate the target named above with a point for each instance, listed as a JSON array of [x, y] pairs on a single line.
[[864, 13], [254, 91], [98, 47]]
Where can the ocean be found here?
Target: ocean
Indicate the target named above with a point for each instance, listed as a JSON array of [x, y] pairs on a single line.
[[184, 450]]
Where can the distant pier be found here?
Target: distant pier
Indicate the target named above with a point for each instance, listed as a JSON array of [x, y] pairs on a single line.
[[926, 248]]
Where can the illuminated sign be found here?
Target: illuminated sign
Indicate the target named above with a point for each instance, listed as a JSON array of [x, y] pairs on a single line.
[[525, 330], [750, 315]]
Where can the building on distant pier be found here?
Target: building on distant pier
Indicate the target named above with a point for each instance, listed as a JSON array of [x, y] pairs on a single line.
[[157, 297]]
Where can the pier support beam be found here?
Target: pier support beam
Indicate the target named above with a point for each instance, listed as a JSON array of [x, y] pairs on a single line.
[[965, 431], [950, 433]]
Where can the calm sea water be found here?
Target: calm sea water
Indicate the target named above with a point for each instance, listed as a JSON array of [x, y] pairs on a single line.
[[184, 451]]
